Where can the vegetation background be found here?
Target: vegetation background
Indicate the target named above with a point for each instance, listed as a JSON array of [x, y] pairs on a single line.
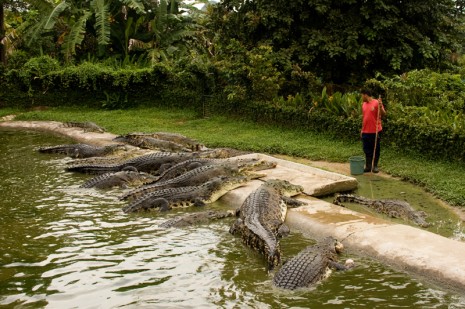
[[288, 66]]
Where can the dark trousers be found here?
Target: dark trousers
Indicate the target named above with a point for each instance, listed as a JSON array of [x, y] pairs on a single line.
[[368, 140]]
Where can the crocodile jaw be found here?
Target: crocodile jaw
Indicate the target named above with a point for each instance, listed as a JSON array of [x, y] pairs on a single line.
[[223, 190]]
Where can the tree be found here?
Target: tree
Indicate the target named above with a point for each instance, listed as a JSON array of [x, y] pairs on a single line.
[[173, 31], [345, 41], [5, 5], [118, 27], [76, 19]]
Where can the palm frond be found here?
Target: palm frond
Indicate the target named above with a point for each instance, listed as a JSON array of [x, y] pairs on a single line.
[[136, 5], [52, 18], [102, 23], [76, 35], [161, 15]]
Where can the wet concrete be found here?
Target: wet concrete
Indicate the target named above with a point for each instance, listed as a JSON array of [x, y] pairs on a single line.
[[416, 251]]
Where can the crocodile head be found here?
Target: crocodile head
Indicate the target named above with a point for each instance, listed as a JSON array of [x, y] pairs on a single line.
[[115, 148], [418, 217], [221, 185], [284, 187], [332, 245], [254, 164]]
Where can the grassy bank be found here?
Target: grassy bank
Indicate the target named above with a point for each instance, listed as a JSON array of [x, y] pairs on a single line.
[[444, 179]]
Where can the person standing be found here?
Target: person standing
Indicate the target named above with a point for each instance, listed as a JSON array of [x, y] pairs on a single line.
[[372, 110]]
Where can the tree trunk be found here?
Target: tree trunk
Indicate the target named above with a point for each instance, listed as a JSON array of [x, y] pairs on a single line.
[[2, 35]]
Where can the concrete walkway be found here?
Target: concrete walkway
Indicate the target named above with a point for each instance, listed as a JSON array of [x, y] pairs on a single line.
[[416, 251]]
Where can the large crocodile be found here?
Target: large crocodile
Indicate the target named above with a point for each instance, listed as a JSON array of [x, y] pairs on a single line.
[[83, 150], [87, 126], [113, 159], [168, 198], [193, 177], [161, 140], [262, 215], [196, 218], [148, 142], [152, 163], [392, 208], [310, 265], [129, 176], [252, 164]]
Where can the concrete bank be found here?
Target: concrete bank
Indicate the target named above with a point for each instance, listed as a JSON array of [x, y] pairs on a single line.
[[418, 252]]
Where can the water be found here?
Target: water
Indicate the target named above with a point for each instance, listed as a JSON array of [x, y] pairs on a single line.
[[442, 219], [65, 247]]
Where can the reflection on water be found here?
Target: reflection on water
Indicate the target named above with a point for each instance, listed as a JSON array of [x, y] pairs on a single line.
[[65, 247]]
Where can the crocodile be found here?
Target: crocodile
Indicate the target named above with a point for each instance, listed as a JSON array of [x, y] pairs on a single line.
[[129, 176], [88, 126], [390, 207], [163, 140], [310, 265], [168, 198], [110, 159], [152, 163], [83, 150], [188, 165], [222, 153], [261, 218], [196, 218], [193, 177], [148, 142]]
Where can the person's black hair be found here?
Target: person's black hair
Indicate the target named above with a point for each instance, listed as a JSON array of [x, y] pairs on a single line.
[[366, 90]]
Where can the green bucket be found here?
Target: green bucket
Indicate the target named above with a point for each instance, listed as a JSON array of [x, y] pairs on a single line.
[[357, 165]]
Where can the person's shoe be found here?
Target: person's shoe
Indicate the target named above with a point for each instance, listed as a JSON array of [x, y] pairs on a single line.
[[368, 162], [375, 169]]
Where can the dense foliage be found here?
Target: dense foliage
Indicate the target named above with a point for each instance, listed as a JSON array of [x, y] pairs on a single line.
[[298, 63], [345, 40]]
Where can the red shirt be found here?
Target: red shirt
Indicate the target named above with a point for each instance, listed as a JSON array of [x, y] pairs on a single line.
[[370, 114]]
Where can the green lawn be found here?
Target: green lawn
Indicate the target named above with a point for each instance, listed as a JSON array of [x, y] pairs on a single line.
[[444, 179]]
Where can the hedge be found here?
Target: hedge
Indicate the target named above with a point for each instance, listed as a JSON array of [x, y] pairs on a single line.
[[191, 87]]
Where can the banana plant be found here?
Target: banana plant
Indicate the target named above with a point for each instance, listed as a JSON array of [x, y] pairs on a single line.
[[172, 31], [76, 19]]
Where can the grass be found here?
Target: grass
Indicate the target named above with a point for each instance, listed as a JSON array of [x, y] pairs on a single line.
[[444, 179]]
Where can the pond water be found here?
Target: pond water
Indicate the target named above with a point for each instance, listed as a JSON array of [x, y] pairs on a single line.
[[65, 247]]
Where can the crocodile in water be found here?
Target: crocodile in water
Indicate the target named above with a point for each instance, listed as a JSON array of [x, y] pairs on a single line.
[[193, 177], [392, 208], [168, 198], [83, 150], [127, 177], [262, 215], [309, 266], [152, 163]]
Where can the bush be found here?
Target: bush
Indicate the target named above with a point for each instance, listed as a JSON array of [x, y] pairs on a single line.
[[437, 91], [36, 69]]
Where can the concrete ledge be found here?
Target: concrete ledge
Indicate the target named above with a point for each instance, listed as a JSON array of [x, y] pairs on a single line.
[[316, 182]]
